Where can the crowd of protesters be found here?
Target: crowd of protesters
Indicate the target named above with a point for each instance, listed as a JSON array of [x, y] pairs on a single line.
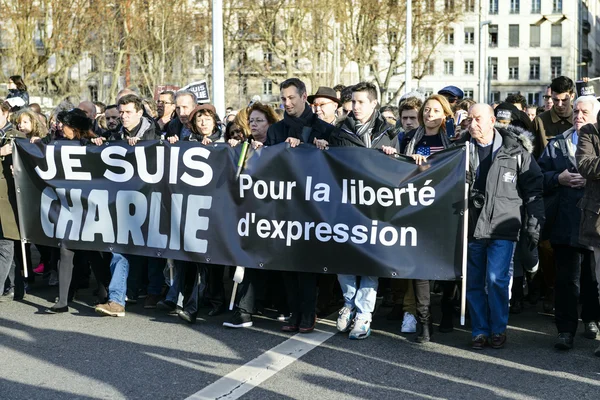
[[534, 207]]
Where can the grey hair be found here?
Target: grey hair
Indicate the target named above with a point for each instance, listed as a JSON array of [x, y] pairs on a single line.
[[590, 100], [182, 93]]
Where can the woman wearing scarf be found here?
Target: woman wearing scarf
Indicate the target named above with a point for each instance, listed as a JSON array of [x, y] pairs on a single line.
[[429, 138]]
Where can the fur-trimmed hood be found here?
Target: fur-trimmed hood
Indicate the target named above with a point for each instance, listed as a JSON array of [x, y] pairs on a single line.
[[523, 136]]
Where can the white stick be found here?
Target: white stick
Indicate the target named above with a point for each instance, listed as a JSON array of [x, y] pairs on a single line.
[[463, 297], [233, 292], [25, 275]]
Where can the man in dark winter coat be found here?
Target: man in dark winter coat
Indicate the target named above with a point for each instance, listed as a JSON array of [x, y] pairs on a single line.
[[135, 126], [563, 189], [504, 180], [299, 123], [363, 127]]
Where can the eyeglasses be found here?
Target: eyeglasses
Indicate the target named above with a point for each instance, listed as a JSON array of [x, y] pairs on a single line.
[[258, 121], [163, 102], [320, 105]]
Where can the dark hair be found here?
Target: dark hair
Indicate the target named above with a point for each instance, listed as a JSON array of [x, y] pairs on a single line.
[[101, 105], [202, 111], [517, 98], [110, 107], [346, 94], [295, 82], [78, 121], [392, 109], [5, 106], [169, 93], [132, 99], [18, 81], [36, 107], [562, 84], [339, 88], [464, 104], [366, 87], [412, 103], [539, 110], [228, 135]]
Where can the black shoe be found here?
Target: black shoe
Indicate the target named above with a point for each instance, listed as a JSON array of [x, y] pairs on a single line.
[[307, 323], [516, 308], [186, 316], [57, 310], [396, 314], [166, 305], [590, 330], [239, 319], [216, 310], [424, 332], [564, 341]]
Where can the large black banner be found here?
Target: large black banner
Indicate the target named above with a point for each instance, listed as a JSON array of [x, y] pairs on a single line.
[[342, 210]]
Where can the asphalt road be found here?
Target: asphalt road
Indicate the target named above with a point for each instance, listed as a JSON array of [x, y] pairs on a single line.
[[150, 355]]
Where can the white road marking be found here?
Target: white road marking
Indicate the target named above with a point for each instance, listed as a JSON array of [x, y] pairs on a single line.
[[255, 372]]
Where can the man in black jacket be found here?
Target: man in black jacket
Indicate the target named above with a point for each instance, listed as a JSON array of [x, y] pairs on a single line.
[[363, 127], [505, 180], [299, 123], [563, 188], [135, 126]]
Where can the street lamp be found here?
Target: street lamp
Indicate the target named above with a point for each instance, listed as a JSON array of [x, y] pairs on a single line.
[[481, 60]]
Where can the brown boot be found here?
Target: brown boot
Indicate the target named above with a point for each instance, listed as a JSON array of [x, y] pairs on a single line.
[[111, 309]]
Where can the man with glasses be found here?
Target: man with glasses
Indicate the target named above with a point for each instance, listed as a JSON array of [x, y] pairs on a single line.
[[165, 107], [559, 118], [325, 103], [548, 99], [453, 95]]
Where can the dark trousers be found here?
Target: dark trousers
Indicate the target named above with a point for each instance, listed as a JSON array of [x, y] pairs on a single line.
[[588, 294], [191, 285], [214, 290], [251, 290], [569, 263], [301, 291], [423, 297]]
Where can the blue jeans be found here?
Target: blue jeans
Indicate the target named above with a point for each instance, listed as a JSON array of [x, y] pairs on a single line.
[[119, 268], [488, 266], [363, 296]]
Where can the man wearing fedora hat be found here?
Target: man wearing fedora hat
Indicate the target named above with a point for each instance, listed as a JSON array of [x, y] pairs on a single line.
[[325, 103]]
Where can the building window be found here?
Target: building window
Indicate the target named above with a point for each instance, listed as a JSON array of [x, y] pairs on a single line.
[[468, 93], [514, 6], [198, 56], [449, 36], [556, 35], [93, 92], [513, 68], [493, 36], [428, 36], [469, 35], [534, 36], [556, 6], [448, 67], [428, 68], [513, 35], [449, 5], [469, 67], [93, 64], [536, 6], [469, 5], [428, 92], [267, 86], [493, 68], [267, 56], [244, 87], [389, 96], [493, 6], [534, 68], [495, 97], [555, 67], [533, 98]]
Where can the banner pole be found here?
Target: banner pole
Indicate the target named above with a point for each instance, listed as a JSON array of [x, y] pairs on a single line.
[[463, 297], [238, 276], [24, 252], [18, 216]]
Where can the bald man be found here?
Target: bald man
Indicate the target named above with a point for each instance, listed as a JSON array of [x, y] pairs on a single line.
[[504, 180], [89, 108]]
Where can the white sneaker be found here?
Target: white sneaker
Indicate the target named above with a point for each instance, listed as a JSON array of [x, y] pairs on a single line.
[[409, 323], [361, 330], [53, 280], [345, 318]]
